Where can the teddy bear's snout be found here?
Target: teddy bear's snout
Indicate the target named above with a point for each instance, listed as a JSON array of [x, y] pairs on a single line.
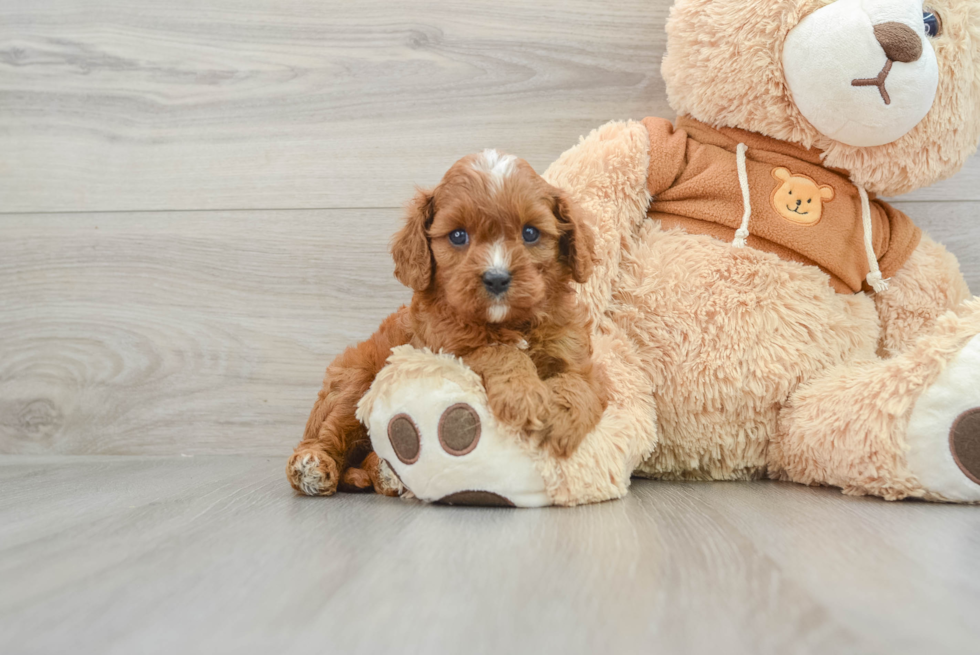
[[899, 41], [882, 44]]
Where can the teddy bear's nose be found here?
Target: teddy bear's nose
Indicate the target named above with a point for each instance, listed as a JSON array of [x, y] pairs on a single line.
[[900, 42], [798, 202]]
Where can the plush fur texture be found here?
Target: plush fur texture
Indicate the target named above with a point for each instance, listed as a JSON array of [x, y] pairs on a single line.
[[848, 427], [530, 341]]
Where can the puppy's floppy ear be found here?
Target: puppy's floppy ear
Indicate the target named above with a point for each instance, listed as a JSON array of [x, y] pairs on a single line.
[[575, 244], [410, 247]]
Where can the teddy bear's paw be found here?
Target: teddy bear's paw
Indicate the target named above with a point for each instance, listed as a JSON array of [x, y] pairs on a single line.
[[429, 420], [312, 473], [451, 458], [944, 430]]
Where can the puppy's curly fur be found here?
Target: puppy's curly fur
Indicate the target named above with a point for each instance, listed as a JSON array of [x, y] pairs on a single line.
[[490, 254]]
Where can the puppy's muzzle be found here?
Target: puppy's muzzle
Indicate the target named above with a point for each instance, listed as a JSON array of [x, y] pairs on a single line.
[[496, 281]]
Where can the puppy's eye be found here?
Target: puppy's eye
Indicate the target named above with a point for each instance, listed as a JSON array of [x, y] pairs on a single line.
[[459, 237], [530, 234], [933, 22]]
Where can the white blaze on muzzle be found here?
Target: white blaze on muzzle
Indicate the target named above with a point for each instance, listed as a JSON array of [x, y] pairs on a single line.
[[498, 260], [862, 72]]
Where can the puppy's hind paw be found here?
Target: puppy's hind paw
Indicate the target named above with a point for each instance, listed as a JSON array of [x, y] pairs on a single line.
[[312, 473], [384, 480]]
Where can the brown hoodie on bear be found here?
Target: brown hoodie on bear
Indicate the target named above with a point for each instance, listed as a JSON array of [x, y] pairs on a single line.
[[800, 210]]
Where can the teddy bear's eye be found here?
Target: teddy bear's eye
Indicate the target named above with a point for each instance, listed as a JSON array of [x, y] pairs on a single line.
[[791, 192], [933, 23], [809, 200]]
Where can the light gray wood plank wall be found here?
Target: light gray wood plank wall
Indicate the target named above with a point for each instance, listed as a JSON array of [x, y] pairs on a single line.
[[138, 104], [181, 332]]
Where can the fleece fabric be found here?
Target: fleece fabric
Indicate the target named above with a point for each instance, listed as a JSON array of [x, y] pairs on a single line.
[[801, 211]]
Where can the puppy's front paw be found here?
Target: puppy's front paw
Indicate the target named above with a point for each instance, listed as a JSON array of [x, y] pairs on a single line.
[[312, 472], [561, 443], [518, 406]]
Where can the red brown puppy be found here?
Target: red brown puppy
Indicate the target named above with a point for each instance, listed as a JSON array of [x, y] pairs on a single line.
[[490, 253]]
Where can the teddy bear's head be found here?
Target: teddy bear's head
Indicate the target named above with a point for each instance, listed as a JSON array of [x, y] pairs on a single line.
[[888, 89]]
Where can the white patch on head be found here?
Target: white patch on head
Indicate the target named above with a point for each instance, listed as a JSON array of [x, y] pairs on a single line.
[[497, 312], [498, 258], [307, 474], [498, 167]]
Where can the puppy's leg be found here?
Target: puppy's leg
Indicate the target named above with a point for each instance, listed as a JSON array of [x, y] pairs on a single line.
[[335, 444], [515, 393], [558, 412], [576, 403]]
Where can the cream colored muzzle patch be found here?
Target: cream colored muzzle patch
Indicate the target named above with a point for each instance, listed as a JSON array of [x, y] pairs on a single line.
[[838, 65]]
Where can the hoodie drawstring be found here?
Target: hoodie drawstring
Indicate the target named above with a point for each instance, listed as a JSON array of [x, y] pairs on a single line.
[[874, 278], [743, 180]]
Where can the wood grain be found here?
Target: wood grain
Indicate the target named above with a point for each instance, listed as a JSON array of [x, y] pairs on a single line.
[[185, 332], [142, 105], [136, 104], [207, 332], [216, 554]]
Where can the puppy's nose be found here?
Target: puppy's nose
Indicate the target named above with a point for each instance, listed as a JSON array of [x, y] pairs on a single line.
[[900, 42], [496, 281]]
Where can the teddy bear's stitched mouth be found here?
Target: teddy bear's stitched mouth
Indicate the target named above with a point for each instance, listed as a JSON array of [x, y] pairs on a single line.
[[796, 212], [878, 81]]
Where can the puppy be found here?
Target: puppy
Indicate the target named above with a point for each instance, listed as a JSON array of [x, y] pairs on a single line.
[[490, 254]]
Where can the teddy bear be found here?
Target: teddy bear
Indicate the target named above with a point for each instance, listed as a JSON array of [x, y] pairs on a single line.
[[757, 310]]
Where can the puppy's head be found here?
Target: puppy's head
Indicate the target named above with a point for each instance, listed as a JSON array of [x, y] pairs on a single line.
[[494, 241]]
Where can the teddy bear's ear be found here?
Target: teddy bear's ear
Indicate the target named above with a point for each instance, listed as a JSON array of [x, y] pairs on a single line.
[[827, 193], [410, 247], [781, 174], [576, 243]]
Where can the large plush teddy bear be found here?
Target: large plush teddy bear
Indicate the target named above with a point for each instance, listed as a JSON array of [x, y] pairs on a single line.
[[757, 311]]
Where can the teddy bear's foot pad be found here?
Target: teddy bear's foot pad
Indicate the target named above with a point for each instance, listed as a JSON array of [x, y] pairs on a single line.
[[964, 443], [476, 498], [428, 417], [944, 430]]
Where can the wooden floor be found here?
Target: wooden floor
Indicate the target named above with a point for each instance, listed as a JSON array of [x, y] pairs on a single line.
[[216, 555], [195, 205]]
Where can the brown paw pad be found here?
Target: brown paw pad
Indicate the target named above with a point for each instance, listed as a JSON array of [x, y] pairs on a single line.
[[964, 443], [476, 499], [459, 430], [404, 438]]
